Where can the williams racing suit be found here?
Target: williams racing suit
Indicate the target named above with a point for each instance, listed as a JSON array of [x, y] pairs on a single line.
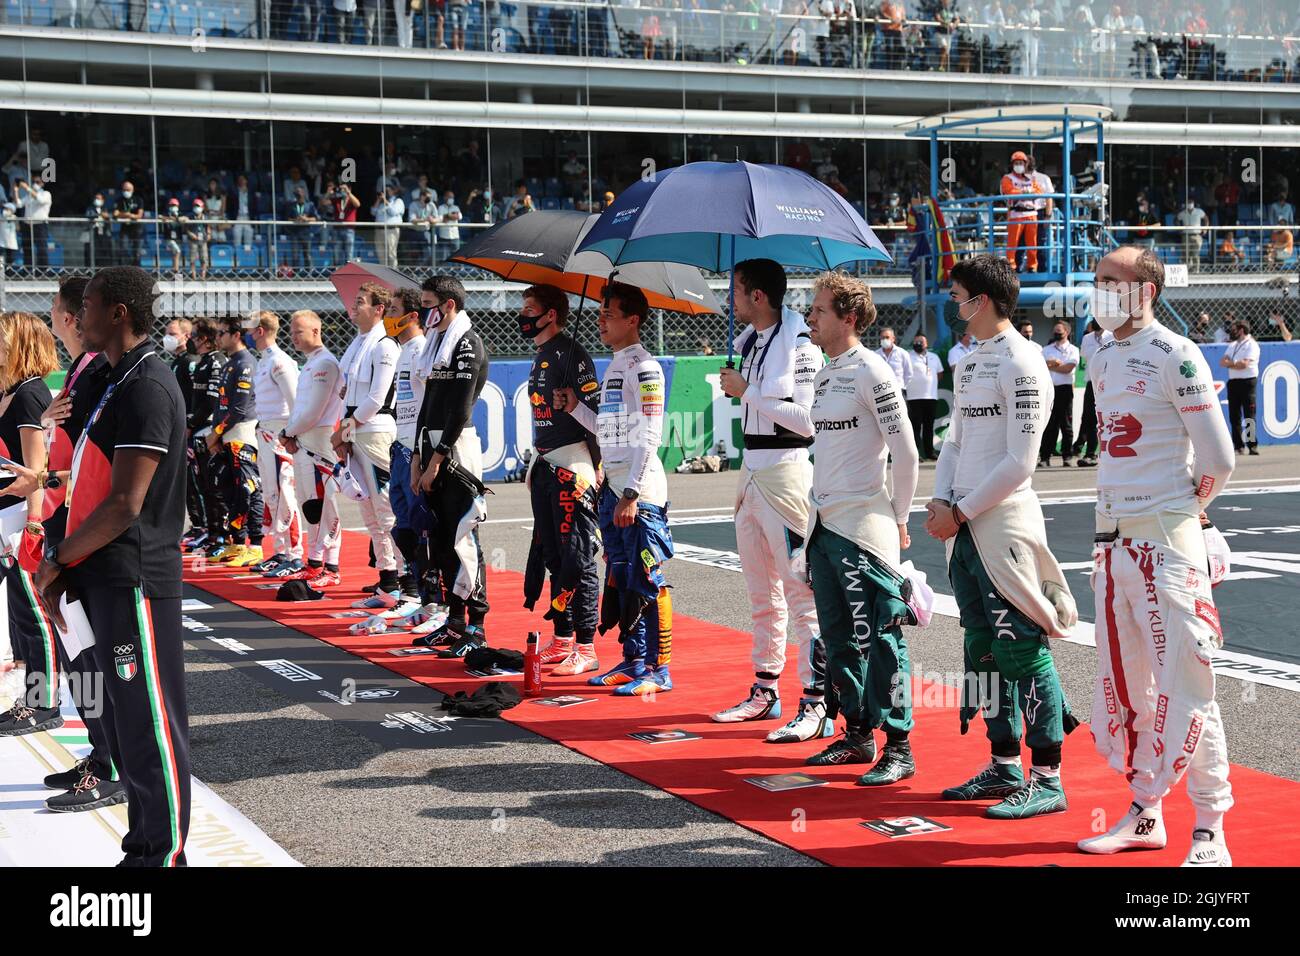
[[628, 424], [853, 553], [274, 385], [235, 472], [780, 364], [456, 373], [317, 409], [1004, 397], [369, 365], [562, 489], [1165, 454]]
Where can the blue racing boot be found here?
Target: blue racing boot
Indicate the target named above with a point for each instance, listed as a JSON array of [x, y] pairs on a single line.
[[624, 673], [656, 681]]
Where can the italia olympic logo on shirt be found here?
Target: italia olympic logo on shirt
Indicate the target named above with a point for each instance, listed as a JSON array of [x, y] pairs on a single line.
[[124, 661]]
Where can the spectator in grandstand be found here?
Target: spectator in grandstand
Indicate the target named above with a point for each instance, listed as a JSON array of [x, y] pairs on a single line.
[[196, 240], [389, 178], [302, 212], [422, 215], [171, 233], [421, 185], [1281, 246], [1227, 193], [214, 209], [1112, 25], [1146, 53], [479, 207], [1242, 362], [470, 168], [521, 202], [841, 17], [574, 172], [292, 183], [1276, 321], [99, 233], [1084, 28], [389, 211], [35, 200], [370, 19], [8, 234], [449, 217], [344, 24], [1031, 21], [891, 34], [1200, 330], [1280, 209], [458, 18], [948, 22], [1228, 252], [991, 45], [402, 16], [243, 206], [1144, 217], [28, 159], [1193, 220], [127, 212]]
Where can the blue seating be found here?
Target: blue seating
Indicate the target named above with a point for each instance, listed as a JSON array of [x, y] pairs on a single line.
[[320, 256], [550, 203], [241, 20], [54, 255], [567, 203], [212, 20], [40, 13], [13, 11], [159, 19], [106, 15], [185, 17], [248, 258], [221, 256]]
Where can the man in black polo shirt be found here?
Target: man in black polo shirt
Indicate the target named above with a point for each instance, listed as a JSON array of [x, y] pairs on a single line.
[[121, 557]]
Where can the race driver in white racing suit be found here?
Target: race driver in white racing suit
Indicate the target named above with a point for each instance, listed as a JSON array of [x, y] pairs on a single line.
[[1165, 454], [774, 383]]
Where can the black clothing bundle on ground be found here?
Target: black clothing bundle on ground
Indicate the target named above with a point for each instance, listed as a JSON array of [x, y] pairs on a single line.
[[487, 701]]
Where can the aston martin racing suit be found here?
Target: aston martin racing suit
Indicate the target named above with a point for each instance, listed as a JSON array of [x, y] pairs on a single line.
[[274, 385], [629, 427], [316, 410], [853, 551], [1165, 454], [1004, 397]]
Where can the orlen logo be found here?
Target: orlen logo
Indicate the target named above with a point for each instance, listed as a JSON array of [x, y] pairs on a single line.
[[1109, 689], [1162, 708], [1193, 736]]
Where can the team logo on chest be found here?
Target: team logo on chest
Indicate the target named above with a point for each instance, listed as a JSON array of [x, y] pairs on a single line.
[[124, 661]]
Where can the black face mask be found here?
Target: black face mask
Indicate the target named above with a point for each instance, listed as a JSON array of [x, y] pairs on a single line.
[[190, 347], [528, 326], [918, 347], [1058, 336]]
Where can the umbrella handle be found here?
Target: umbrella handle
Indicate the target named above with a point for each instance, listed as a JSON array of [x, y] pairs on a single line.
[[731, 307]]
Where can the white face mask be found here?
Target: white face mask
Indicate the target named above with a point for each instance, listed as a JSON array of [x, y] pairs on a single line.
[[1019, 168], [127, 193], [886, 344], [99, 203], [171, 343], [1110, 309]]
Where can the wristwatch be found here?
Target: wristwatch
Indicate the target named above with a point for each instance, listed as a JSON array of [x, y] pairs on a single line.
[[53, 481], [631, 494], [443, 449], [52, 554], [958, 518]]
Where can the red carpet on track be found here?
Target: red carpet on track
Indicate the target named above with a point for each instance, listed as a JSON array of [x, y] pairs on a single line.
[[711, 670]]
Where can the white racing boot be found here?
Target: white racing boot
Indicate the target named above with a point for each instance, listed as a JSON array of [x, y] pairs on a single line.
[[1208, 849], [761, 704], [811, 722], [1140, 829]]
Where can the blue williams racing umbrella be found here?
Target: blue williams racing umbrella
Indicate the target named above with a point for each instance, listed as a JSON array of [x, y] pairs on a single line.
[[713, 215]]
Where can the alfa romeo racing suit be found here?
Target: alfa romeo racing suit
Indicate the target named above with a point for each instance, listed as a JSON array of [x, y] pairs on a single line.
[[1165, 455], [235, 471], [316, 410], [628, 424], [772, 505], [455, 503], [853, 552], [369, 365], [562, 489], [1004, 397], [274, 385]]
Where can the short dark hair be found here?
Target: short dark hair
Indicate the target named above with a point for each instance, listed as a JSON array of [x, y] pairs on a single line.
[[629, 298], [132, 287], [205, 330], [549, 297], [406, 299], [766, 276], [446, 287], [990, 275], [72, 290], [231, 323]]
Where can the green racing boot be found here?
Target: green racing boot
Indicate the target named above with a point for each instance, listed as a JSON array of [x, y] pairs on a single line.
[[996, 780], [1039, 796], [895, 764]]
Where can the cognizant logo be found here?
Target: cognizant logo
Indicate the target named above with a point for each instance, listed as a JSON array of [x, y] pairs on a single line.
[[837, 426]]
